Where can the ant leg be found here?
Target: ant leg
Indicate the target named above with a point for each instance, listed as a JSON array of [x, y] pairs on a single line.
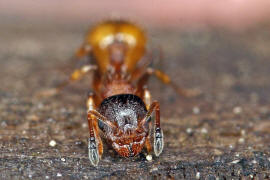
[[94, 153], [147, 101], [147, 97], [95, 146], [148, 146], [84, 50], [158, 133], [76, 75], [167, 80]]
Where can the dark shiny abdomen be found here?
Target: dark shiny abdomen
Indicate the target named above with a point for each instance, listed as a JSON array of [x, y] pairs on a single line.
[[124, 109]]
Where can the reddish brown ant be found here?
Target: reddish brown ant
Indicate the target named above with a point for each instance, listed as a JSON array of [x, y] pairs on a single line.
[[121, 105]]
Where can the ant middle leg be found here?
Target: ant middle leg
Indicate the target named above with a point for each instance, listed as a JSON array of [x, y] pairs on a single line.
[[76, 75], [164, 78], [146, 97], [147, 101]]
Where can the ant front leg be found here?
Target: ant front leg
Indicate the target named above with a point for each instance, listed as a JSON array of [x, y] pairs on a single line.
[[158, 133], [95, 146]]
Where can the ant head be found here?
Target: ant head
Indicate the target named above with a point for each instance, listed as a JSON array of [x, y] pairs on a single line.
[[126, 112]]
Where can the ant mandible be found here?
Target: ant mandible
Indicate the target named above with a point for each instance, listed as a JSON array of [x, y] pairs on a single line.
[[121, 105]]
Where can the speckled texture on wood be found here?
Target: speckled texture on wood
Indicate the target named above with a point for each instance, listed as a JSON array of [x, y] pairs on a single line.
[[224, 133]]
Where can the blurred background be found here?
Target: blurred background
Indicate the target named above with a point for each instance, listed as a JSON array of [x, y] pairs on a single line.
[[233, 14]]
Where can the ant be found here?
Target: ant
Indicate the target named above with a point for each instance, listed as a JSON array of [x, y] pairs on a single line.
[[121, 105]]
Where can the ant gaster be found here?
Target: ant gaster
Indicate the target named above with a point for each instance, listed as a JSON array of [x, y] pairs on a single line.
[[121, 105]]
